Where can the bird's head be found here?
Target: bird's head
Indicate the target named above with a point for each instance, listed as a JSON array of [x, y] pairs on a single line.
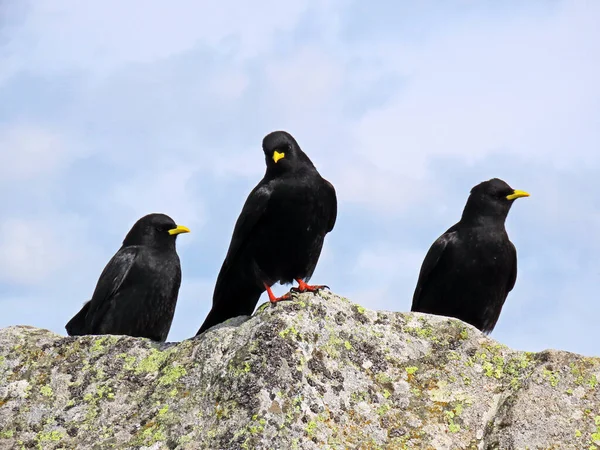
[[492, 198], [282, 153], [154, 230]]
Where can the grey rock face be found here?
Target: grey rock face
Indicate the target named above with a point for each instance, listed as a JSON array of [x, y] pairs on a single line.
[[315, 373]]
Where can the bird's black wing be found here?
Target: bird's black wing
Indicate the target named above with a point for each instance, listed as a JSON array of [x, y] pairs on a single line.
[[330, 204], [111, 280], [253, 209], [513, 273], [430, 262], [77, 325], [229, 284]]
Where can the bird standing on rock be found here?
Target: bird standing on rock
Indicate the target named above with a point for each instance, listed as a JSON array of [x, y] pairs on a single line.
[[137, 291], [469, 271], [279, 234]]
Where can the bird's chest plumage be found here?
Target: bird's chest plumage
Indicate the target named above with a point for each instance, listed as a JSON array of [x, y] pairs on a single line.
[[163, 277], [294, 226], [484, 258]]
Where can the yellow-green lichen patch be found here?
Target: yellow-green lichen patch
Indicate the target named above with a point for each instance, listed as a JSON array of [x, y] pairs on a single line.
[[151, 363], [46, 391], [383, 379], [173, 393], [311, 428], [453, 355], [334, 343], [424, 332], [6, 434], [98, 345], [595, 437], [186, 439], [150, 434], [290, 331], [551, 376], [51, 436], [411, 370], [239, 367], [493, 365], [251, 431], [383, 409], [451, 416], [171, 374]]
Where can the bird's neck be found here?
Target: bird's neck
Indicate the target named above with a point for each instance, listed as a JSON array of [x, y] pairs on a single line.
[[294, 172], [483, 220]]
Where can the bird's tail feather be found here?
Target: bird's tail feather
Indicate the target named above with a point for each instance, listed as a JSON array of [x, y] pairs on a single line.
[[232, 302], [77, 325]]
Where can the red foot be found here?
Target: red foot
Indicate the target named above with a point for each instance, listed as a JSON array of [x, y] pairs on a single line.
[[272, 297], [303, 287]]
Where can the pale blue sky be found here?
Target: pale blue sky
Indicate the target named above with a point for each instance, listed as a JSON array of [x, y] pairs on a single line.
[[111, 111]]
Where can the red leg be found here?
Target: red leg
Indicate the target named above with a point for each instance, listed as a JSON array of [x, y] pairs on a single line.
[[303, 287], [272, 297]]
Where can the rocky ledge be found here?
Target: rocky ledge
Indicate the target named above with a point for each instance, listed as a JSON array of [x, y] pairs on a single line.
[[316, 373]]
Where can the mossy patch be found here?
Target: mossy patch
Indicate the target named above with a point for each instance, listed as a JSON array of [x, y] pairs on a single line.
[[171, 374], [51, 436], [46, 391]]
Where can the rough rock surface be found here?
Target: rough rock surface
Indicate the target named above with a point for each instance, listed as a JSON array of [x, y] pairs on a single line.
[[318, 372]]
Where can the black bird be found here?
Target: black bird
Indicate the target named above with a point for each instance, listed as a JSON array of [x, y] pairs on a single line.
[[469, 271], [137, 290], [279, 234]]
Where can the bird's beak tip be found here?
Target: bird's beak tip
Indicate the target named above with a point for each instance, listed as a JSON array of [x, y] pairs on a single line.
[[178, 230], [277, 156], [517, 194]]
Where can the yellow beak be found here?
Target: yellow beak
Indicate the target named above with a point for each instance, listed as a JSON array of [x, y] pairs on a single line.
[[277, 156], [517, 194], [179, 229]]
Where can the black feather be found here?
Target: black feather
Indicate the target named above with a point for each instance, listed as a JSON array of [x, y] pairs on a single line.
[[469, 270], [137, 290], [279, 234]]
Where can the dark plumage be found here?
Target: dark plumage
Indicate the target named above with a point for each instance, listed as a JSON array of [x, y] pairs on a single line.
[[137, 290], [469, 271], [279, 234]]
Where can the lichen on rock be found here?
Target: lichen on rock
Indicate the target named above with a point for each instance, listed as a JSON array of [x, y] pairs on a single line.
[[317, 372]]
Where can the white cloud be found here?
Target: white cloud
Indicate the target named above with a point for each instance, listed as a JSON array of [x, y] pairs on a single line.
[[30, 152], [523, 88], [33, 250], [303, 83], [103, 35], [168, 191]]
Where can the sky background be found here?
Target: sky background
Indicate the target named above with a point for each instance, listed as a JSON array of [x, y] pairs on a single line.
[[111, 110]]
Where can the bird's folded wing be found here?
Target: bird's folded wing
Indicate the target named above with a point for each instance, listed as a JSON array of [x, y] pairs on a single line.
[[111, 280], [433, 257], [330, 205], [513, 273], [252, 212]]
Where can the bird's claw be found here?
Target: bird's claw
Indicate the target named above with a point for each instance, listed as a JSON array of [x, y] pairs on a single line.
[[309, 288], [283, 298]]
